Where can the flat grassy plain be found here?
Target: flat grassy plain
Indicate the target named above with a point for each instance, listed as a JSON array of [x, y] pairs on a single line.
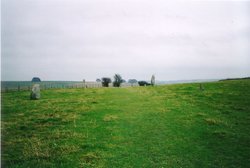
[[162, 126]]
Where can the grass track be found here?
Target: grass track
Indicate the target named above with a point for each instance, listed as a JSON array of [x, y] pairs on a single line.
[[162, 126]]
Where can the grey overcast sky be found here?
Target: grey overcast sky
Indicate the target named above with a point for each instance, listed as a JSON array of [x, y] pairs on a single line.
[[89, 39]]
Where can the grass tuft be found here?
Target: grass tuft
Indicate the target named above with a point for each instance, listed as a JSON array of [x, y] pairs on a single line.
[[109, 118], [212, 121]]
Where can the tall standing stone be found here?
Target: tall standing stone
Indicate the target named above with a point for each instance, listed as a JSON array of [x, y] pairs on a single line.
[[35, 92], [153, 80]]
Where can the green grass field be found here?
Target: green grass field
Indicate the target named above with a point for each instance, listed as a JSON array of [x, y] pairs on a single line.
[[162, 126]]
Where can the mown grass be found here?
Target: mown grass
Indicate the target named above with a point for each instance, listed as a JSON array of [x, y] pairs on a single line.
[[162, 126]]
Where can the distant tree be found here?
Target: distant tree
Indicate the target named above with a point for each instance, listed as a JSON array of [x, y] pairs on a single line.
[[124, 81], [117, 80], [132, 81], [36, 79], [98, 80], [106, 81], [153, 80], [143, 83]]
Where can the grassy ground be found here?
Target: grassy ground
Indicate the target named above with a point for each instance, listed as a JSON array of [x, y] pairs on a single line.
[[162, 126]]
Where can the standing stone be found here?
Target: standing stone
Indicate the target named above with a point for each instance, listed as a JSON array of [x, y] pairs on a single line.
[[35, 92], [201, 87], [153, 80]]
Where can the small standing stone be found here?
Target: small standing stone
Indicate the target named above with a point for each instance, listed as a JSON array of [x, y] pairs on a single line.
[[35, 92], [201, 87]]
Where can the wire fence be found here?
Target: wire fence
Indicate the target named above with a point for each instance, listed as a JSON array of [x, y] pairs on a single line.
[[26, 86]]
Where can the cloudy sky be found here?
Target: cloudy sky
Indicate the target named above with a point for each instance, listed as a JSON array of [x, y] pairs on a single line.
[[89, 39]]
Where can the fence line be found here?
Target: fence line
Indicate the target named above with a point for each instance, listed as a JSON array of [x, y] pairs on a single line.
[[55, 85]]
